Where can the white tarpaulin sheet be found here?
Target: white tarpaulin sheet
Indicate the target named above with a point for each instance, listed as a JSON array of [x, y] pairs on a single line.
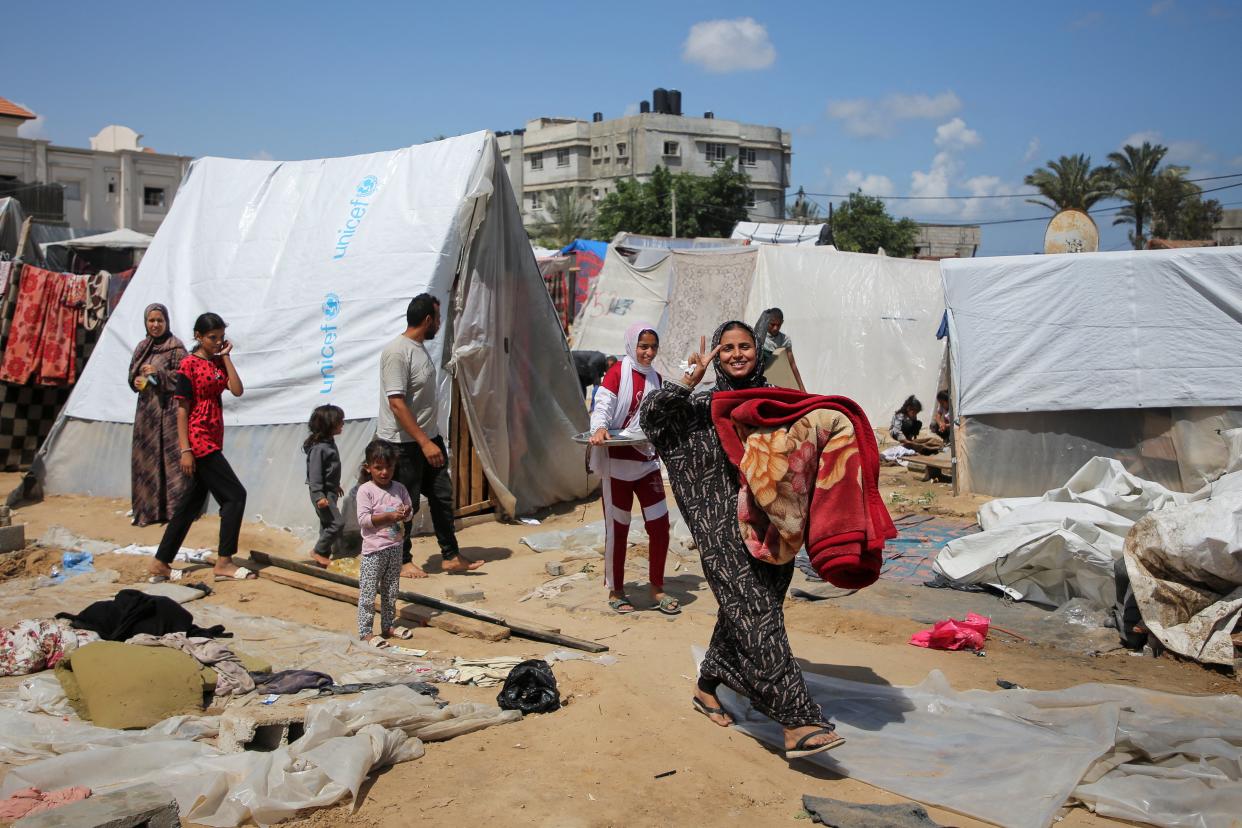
[[1149, 328], [1059, 546], [863, 326], [621, 295], [777, 233], [1185, 568], [312, 265], [1015, 757]]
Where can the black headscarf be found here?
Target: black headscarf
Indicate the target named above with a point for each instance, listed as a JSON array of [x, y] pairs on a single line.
[[753, 380]]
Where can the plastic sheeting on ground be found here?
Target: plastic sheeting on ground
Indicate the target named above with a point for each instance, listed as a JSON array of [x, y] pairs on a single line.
[[28, 737], [590, 537], [1059, 546], [344, 740], [1185, 568], [1015, 757]]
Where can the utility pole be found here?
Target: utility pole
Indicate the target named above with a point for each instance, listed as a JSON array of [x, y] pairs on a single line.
[[674, 233]]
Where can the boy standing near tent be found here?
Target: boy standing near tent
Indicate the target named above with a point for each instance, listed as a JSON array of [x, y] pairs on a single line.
[[407, 421]]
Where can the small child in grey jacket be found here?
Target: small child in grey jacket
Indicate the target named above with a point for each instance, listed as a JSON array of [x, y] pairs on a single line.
[[323, 476]]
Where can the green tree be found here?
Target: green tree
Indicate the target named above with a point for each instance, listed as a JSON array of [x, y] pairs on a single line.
[[1070, 183], [1178, 210], [705, 206], [1135, 171], [568, 217], [862, 225], [802, 209]]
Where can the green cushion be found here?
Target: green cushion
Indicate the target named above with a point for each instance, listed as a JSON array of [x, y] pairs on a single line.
[[127, 685]]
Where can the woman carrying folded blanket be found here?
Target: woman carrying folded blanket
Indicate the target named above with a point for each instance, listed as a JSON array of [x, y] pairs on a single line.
[[749, 649]]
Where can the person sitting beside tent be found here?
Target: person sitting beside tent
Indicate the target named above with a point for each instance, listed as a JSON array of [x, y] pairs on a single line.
[[591, 367], [156, 481], [201, 379], [773, 340], [630, 470], [942, 417], [907, 425]]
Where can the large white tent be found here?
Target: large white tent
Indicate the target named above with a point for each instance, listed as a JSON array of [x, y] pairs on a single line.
[[863, 326], [312, 264], [1057, 359]]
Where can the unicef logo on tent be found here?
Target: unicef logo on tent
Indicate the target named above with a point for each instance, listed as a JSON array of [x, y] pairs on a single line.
[[331, 306], [367, 186]]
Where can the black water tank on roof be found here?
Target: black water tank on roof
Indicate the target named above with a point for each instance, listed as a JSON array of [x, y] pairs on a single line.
[[674, 101], [659, 101], [597, 117], [709, 114], [644, 106]]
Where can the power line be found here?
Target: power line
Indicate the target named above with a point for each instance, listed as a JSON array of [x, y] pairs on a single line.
[[970, 197]]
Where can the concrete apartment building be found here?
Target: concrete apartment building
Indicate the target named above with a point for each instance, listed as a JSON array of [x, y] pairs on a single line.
[[116, 183], [947, 241], [590, 157]]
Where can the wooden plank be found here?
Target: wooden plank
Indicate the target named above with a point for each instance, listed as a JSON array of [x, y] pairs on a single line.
[[534, 632], [423, 616]]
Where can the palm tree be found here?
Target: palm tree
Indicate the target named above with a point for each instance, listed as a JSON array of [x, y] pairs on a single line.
[[1070, 183], [1134, 174], [568, 218], [802, 209]]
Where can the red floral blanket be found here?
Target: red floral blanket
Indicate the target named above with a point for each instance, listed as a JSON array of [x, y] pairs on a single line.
[[809, 471]]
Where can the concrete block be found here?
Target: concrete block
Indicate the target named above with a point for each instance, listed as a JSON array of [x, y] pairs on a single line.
[[463, 596], [260, 728], [12, 538], [142, 806], [554, 568]]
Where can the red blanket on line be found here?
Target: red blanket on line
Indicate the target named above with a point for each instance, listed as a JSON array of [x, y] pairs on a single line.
[[810, 471], [41, 339]]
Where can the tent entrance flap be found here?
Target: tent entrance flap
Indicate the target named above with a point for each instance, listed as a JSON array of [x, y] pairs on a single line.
[[472, 493]]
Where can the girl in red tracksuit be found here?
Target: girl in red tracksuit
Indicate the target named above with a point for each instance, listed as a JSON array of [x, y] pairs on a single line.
[[629, 470]]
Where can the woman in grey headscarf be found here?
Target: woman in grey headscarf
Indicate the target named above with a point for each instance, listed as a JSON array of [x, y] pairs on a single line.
[[157, 482], [749, 649]]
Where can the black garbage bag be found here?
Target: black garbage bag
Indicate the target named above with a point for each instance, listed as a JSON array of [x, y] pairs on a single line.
[[531, 688]]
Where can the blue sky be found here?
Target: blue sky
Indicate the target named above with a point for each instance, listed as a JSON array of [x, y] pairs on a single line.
[[898, 98]]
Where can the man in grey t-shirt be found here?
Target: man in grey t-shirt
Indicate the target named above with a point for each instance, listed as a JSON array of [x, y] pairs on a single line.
[[407, 421]]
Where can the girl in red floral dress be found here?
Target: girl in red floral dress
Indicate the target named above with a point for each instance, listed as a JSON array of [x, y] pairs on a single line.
[[201, 379]]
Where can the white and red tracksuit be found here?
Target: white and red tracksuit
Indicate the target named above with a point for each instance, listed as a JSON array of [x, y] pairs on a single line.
[[626, 471]]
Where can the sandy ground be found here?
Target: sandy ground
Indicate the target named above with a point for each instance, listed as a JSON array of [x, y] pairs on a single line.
[[594, 762]]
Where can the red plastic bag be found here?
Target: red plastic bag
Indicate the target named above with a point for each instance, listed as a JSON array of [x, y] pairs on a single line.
[[952, 634]]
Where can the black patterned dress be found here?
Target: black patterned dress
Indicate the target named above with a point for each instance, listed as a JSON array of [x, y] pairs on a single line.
[[749, 649]]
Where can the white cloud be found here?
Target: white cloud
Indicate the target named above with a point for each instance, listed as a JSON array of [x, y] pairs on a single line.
[[955, 135], [981, 185], [934, 184], [1137, 139], [1032, 150], [1160, 7], [33, 128], [873, 184], [868, 118], [827, 173], [262, 155], [729, 45]]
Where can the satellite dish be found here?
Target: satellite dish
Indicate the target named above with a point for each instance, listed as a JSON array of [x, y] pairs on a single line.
[[1071, 231]]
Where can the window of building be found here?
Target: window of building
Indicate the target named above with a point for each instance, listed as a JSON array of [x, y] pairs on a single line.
[[621, 150], [672, 148], [504, 159], [536, 201], [73, 190], [715, 152], [595, 150], [153, 196], [536, 160], [752, 200], [623, 161], [746, 157], [562, 157], [595, 192]]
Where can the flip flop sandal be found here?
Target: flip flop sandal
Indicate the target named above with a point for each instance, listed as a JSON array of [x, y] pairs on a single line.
[[377, 641], [242, 574], [173, 576], [401, 632], [801, 751], [707, 710], [669, 605], [619, 606]]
